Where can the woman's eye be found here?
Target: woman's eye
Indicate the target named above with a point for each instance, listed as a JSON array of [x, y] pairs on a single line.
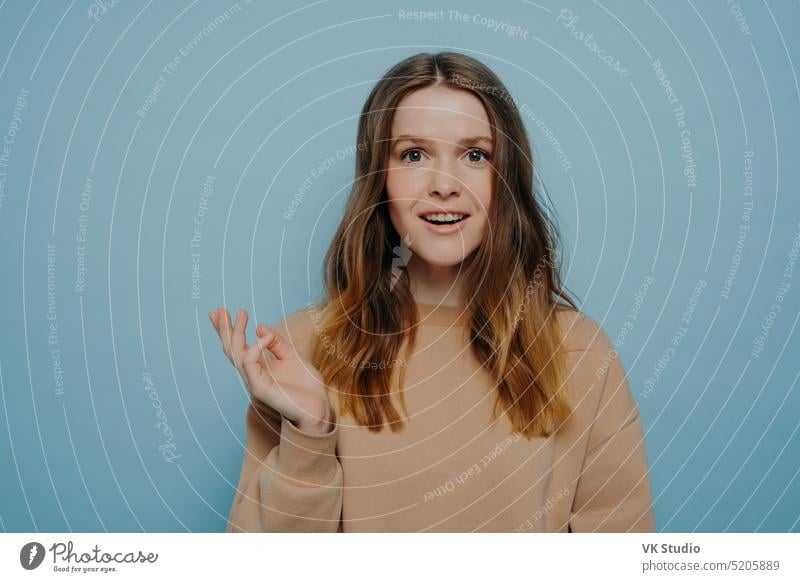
[[477, 156], [415, 153]]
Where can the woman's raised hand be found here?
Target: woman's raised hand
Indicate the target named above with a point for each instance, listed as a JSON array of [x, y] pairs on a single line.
[[287, 383]]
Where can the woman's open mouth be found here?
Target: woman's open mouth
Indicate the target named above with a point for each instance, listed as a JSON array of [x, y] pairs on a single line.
[[444, 222]]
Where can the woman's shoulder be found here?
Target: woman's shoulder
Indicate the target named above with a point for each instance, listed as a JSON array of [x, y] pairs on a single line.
[[581, 333], [590, 354], [594, 369]]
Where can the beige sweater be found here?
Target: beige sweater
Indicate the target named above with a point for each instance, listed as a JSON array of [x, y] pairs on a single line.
[[450, 469]]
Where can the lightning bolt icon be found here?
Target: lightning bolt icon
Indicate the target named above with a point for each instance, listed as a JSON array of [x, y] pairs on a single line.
[[34, 551], [402, 255]]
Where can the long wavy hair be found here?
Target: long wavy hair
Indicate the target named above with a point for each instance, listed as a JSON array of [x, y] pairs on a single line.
[[368, 316]]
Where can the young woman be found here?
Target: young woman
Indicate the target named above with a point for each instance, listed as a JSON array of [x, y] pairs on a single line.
[[442, 300]]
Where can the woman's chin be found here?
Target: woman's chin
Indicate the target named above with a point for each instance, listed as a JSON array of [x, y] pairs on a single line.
[[444, 259]]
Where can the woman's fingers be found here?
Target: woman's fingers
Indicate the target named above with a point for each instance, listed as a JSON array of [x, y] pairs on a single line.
[[226, 333], [234, 338], [252, 366], [239, 341], [221, 320], [216, 318], [279, 348]]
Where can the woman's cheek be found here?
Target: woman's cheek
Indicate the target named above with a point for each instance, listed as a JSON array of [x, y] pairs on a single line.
[[400, 211], [481, 227], [401, 195]]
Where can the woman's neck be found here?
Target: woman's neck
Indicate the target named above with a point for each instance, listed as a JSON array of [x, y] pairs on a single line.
[[436, 285]]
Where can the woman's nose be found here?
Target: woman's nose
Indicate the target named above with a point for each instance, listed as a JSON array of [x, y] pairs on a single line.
[[444, 180]]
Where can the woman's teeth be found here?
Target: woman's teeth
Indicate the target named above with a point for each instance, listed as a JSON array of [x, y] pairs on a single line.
[[444, 218]]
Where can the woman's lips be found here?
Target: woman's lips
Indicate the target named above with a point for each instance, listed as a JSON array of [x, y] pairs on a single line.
[[445, 228]]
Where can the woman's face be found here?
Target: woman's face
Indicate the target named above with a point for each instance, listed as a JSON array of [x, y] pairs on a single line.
[[440, 167]]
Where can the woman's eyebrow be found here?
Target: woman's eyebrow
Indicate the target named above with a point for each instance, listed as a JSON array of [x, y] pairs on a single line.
[[467, 141]]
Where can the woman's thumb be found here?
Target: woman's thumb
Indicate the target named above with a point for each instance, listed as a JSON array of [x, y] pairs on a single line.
[[274, 343]]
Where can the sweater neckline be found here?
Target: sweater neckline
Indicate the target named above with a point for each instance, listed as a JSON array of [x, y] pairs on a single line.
[[443, 315]]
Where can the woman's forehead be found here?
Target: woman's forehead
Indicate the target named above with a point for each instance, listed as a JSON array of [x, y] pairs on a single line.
[[437, 100], [432, 111]]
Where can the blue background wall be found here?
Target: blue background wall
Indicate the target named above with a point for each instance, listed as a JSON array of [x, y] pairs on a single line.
[[260, 98]]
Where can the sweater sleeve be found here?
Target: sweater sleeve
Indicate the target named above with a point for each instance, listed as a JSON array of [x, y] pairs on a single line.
[[613, 493], [291, 480]]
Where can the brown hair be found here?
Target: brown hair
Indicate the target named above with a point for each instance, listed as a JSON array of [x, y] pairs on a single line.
[[372, 318]]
